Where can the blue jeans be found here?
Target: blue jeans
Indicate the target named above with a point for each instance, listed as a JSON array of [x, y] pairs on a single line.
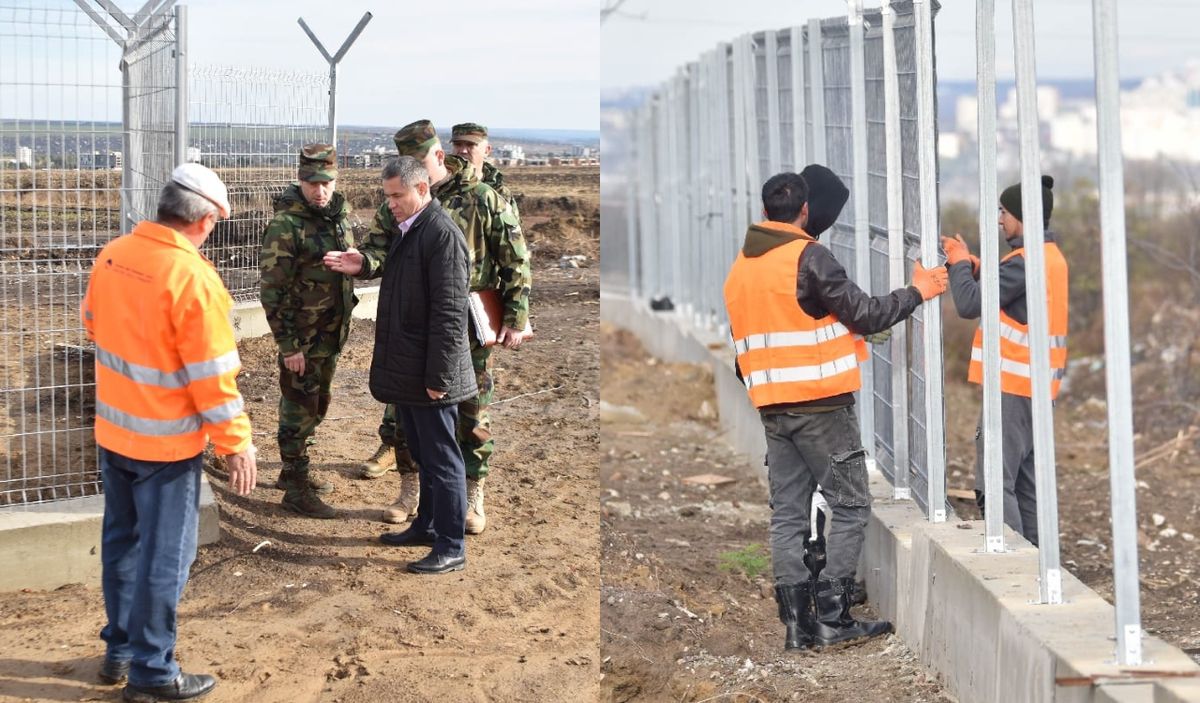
[[442, 510], [151, 518]]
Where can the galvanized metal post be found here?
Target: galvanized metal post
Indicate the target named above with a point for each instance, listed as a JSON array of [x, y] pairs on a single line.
[[896, 255], [816, 70], [741, 178], [989, 253], [181, 85], [632, 174], [771, 54], [1116, 336], [754, 177], [862, 229], [333, 61], [799, 128], [935, 434], [1036, 297]]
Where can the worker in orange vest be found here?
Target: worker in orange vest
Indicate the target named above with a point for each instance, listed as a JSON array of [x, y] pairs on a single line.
[[797, 322], [166, 369], [1016, 409]]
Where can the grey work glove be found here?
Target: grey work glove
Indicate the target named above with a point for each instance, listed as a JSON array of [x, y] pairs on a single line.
[[879, 337]]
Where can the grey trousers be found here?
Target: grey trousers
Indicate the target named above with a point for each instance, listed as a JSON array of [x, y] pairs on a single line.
[[805, 450], [1020, 492]]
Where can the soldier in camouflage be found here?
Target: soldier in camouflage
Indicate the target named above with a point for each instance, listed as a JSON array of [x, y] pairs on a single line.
[[470, 141], [499, 260], [308, 308]]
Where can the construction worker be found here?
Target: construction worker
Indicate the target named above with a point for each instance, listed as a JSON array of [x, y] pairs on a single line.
[[308, 308], [499, 261], [797, 320], [1016, 409], [166, 365]]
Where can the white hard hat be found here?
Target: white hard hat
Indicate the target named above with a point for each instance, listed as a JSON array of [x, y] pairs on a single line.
[[203, 182]]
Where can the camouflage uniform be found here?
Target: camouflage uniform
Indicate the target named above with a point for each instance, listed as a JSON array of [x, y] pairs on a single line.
[[499, 260], [308, 307], [476, 133]]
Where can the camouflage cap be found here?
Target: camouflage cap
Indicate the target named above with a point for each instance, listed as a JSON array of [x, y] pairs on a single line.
[[416, 139], [318, 163], [468, 132]]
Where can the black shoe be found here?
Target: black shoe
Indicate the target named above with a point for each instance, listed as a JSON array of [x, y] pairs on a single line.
[[796, 614], [185, 687], [407, 538], [859, 594], [438, 564], [113, 672], [834, 624]]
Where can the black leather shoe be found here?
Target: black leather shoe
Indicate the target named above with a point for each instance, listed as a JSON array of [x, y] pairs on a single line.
[[407, 538], [438, 564], [185, 687], [113, 672]]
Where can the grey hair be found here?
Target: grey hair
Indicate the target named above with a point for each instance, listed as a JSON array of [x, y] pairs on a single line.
[[178, 204], [409, 170]]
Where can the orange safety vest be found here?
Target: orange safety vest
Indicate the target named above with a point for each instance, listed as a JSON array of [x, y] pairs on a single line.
[[1014, 337], [166, 360], [786, 355]]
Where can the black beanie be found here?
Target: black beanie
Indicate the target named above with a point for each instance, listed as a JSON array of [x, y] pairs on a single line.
[[827, 195], [1011, 200]]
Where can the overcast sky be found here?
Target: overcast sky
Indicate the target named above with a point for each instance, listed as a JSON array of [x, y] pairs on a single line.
[[516, 63], [1155, 35]]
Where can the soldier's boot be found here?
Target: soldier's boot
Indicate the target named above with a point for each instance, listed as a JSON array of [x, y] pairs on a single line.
[[301, 498], [381, 462], [859, 596], [796, 613], [292, 469], [476, 518], [405, 506], [834, 624]]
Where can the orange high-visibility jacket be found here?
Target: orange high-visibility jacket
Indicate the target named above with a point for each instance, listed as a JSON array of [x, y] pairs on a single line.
[[1014, 336], [785, 355], [166, 360]]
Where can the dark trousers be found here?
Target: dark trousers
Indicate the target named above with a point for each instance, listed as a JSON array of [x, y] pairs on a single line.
[[151, 517], [804, 451], [442, 510], [1020, 484]]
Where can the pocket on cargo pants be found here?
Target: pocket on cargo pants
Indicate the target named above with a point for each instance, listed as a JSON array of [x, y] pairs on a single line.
[[849, 472]]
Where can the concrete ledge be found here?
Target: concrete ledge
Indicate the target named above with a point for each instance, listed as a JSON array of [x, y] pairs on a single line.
[[970, 616], [249, 320], [48, 545]]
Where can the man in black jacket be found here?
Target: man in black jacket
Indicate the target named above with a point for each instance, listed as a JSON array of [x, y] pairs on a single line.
[[422, 361]]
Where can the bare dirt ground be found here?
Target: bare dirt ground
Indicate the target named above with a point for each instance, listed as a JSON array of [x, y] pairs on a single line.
[[681, 617], [325, 612]]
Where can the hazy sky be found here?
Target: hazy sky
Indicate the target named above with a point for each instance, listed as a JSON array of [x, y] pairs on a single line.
[[516, 63], [1155, 35]]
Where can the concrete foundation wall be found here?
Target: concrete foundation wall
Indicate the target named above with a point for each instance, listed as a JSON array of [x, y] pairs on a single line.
[[971, 617]]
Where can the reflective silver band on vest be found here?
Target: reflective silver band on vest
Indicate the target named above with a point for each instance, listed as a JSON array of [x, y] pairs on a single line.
[[149, 376], [776, 340], [1016, 368], [169, 428], [1016, 336], [799, 374]]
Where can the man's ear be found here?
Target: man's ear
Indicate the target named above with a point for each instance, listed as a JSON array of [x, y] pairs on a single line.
[[804, 216]]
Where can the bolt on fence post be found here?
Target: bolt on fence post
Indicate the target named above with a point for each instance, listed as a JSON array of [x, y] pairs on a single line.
[[989, 253], [935, 435], [896, 258], [1116, 336], [333, 63], [1036, 297]]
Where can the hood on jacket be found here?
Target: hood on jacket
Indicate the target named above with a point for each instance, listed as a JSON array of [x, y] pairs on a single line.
[[292, 201], [762, 237], [461, 175]]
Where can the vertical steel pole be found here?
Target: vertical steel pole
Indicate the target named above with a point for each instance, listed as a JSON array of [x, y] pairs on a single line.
[[935, 435], [862, 230], [181, 84], [1116, 336], [1036, 298], [771, 56], [896, 258], [799, 128], [333, 105], [741, 179], [989, 246], [631, 206], [816, 69], [754, 177]]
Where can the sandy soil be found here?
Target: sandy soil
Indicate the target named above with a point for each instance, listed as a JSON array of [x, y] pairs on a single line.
[[325, 612]]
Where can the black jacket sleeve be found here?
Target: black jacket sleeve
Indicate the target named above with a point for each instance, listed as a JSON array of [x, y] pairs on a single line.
[[822, 287], [446, 272], [964, 288]]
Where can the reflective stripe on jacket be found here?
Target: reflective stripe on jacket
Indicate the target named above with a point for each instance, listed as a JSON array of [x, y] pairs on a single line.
[[786, 355], [166, 360], [1014, 337]]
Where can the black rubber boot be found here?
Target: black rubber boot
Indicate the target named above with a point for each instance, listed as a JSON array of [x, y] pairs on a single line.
[[796, 614], [859, 594], [834, 623]]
